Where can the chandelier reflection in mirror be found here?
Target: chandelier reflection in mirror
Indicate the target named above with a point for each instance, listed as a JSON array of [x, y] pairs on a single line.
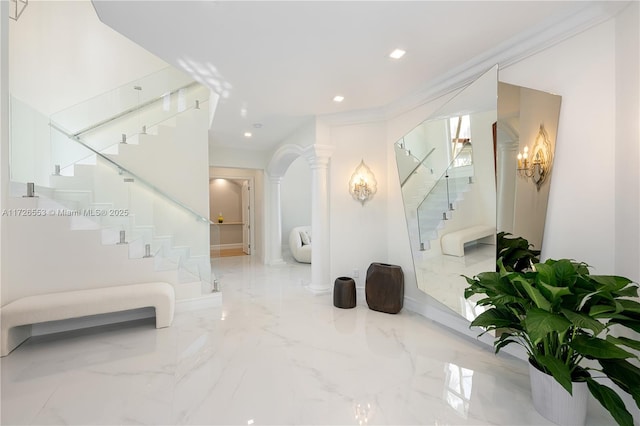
[[536, 164], [362, 185]]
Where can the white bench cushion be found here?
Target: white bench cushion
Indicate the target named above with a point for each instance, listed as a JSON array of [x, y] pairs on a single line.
[[79, 303], [453, 242]]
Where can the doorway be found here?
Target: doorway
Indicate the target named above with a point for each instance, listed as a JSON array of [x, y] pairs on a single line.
[[231, 201]]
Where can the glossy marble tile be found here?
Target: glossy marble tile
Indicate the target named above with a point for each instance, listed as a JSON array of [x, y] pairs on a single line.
[[273, 353]]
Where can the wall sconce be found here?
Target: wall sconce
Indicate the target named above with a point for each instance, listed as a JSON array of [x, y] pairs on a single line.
[[539, 167], [362, 185]]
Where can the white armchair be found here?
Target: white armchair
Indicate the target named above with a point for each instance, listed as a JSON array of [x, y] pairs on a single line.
[[300, 243]]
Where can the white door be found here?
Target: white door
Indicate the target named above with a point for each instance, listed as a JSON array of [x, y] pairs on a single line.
[[246, 218]]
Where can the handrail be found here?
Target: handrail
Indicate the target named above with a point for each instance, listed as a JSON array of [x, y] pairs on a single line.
[[132, 109], [136, 177], [416, 168]]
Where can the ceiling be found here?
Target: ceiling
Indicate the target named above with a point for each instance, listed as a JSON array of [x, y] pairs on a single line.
[[277, 64]]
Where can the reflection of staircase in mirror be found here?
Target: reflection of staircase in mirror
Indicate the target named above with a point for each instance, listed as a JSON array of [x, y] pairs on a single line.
[[436, 213]]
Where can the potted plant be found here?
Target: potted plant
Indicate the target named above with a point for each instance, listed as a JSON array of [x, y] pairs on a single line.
[[562, 315], [516, 253]]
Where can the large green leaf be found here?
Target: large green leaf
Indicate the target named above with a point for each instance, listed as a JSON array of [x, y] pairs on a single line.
[[583, 321], [600, 310], [546, 274], [504, 340], [558, 369], [539, 323], [565, 273], [492, 284], [554, 293], [611, 401], [505, 299], [625, 375], [630, 305], [629, 291], [634, 344], [494, 318], [610, 282], [535, 295], [592, 347]]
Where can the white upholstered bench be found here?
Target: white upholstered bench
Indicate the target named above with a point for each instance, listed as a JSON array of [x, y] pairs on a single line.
[[18, 316], [453, 242]]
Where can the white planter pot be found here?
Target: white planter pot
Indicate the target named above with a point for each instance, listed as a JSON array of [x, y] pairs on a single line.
[[553, 401]]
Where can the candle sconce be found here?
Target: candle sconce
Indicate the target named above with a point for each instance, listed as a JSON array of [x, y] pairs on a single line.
[[536, 164], [362, 185]]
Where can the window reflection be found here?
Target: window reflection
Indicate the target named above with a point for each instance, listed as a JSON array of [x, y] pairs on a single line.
[[460, 136], [458, 383]]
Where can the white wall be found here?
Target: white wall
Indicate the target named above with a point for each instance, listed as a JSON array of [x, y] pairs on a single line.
[[627, 158], [225, 198], [61, 54], [238, 158], [580, 216], [357, 232], [295, 197]]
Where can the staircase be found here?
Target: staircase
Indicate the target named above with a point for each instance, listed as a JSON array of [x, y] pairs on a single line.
[[439, 206], [123, 197], [430, 200]]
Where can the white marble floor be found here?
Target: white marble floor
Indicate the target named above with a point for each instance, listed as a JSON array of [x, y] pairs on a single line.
[[272, 354]]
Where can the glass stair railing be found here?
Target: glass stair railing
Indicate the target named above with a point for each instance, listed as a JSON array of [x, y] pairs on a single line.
[[79, 170], [412, 158], [416, 175], [442, 199]]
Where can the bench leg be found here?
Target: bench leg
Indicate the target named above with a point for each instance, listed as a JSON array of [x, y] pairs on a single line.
[[13, 337], [164, 315]]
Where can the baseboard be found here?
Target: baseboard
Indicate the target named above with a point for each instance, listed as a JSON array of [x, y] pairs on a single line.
[[226, 246], [459, 325]]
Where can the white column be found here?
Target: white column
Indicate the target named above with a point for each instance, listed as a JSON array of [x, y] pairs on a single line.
[[506, 186], [318, 158], [275, 222]]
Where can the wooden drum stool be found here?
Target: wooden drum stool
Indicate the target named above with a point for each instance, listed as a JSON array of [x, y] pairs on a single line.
[[384, 288], [344, 293]]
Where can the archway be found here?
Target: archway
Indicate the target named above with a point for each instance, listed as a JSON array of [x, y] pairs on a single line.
[[317, 157]]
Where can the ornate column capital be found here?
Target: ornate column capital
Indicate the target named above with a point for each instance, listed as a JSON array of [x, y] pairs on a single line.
[[318, 155]]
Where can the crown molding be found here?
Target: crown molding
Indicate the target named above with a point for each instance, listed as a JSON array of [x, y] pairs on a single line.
[[550, 32]]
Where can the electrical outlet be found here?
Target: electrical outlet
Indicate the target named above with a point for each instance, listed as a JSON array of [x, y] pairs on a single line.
[[356, 273]]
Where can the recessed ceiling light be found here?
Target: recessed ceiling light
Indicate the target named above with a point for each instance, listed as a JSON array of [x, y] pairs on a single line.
[[257, 125], [397, 54], [247, 134], [338, 98]]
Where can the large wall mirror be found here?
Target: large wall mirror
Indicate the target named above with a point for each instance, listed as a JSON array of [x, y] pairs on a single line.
[[479, 165]]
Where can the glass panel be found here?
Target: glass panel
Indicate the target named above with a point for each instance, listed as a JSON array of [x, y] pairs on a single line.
[[124, 100], [77, 175], [30, 153], [116, 200]]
